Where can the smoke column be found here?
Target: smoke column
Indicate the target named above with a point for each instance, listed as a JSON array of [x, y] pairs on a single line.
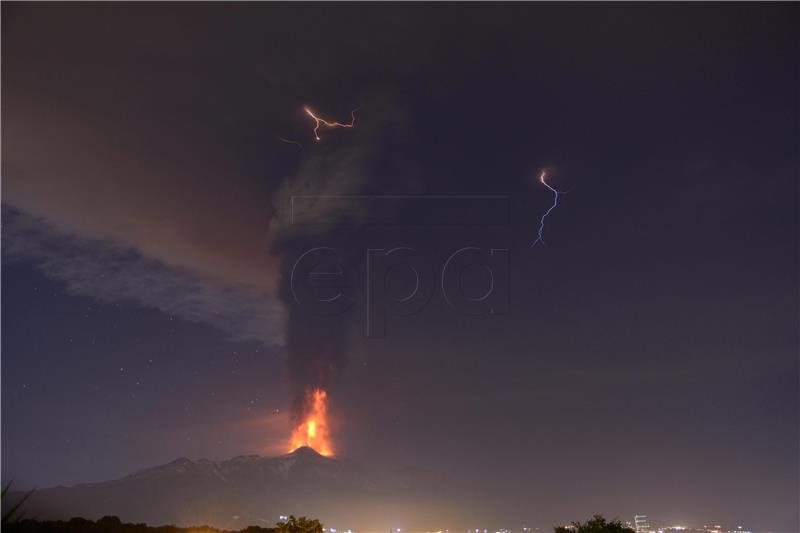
[[317, 343]]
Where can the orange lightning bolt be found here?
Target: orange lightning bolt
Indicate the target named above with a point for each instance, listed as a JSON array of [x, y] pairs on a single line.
[[322, 122]]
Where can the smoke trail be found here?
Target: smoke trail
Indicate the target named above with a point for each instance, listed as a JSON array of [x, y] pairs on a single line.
[[289, 141]]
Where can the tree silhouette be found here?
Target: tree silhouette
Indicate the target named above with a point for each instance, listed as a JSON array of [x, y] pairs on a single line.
[[596, 524], [12, 515], [110, 524], [299, 525]]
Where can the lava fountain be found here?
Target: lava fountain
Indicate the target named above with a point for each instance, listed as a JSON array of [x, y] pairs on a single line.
[[314, 430]]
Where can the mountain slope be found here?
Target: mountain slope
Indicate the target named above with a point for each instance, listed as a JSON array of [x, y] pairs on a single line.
[[245, 490]]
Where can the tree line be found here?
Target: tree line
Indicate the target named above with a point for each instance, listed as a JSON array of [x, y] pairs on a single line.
[[112, 524]]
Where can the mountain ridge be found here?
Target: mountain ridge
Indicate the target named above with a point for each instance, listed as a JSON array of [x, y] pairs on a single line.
[[245, 489]]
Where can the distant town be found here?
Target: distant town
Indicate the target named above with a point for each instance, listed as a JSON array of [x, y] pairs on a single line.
[[640, 524]]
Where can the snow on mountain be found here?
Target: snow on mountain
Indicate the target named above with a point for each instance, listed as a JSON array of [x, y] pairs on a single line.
[[247, 489]]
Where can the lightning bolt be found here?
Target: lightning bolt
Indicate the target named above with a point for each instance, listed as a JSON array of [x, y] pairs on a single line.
[[540, 238], [322, 122]]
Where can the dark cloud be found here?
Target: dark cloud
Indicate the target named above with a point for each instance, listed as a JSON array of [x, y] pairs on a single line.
[[136, 180], [111, 273], [142, 197]]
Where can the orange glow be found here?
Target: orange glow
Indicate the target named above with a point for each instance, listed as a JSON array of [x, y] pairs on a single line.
[[314, 431], [322, 122]]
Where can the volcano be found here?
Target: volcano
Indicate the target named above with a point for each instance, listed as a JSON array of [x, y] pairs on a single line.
[[245, 490]]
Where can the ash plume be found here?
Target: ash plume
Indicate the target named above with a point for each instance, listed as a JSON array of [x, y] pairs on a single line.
[[316, 344]]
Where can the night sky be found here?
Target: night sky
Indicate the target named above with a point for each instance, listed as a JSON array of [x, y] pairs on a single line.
[[648, 362]]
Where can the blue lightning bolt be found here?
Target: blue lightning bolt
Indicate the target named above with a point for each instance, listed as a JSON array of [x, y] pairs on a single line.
[[540, 238]]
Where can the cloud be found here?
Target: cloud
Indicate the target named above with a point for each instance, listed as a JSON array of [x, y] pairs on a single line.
[[139, 213], [109, 273], [177, 231], [159, 216], [127, 181]]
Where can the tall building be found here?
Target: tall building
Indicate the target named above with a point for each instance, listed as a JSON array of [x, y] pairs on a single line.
[[640, 522]]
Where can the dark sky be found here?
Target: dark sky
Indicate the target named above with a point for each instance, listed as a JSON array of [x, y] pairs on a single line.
[[649, 359]]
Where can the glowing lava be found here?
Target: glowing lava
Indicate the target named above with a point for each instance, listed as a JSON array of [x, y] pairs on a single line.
[[322, 122], [313, 431]]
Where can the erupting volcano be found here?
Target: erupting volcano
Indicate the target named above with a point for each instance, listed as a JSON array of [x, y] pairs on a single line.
[[313, 429]]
